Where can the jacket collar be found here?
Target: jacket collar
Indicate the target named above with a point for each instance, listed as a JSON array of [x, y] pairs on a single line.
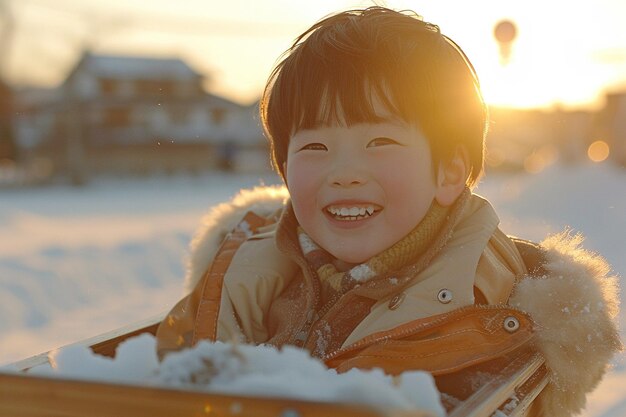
[[383, 286]]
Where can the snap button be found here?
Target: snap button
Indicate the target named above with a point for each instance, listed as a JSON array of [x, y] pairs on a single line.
[[511, 324], [444, 296], [396, 301]]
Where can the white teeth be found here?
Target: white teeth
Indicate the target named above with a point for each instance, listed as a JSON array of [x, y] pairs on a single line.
[[351, 212]]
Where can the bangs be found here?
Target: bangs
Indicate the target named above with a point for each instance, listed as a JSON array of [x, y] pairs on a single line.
[[332, 90]]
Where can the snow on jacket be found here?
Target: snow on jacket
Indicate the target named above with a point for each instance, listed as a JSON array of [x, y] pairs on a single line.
[[564, 307]]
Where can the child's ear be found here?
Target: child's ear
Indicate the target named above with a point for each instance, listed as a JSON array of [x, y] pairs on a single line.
[[452, 177]]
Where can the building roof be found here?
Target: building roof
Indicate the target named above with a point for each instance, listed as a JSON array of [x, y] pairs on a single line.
[[119, 66]]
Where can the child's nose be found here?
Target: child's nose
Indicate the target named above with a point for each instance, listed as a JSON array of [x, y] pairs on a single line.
[[342, 183], [346, 175]]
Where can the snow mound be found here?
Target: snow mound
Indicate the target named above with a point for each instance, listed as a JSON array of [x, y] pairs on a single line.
[[237, 369]]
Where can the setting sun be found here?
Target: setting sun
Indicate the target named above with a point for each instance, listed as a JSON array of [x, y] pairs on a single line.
[[519, 85]]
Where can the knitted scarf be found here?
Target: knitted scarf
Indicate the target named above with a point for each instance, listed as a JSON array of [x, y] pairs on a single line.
[[335, 283]]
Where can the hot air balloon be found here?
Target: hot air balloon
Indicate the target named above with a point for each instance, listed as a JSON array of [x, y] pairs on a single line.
[[505, 33]]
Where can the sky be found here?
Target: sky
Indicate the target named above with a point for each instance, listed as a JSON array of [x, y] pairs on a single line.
[[567, 52]]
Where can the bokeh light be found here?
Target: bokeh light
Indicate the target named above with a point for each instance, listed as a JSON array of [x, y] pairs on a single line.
[[540, 159], [598, 151]]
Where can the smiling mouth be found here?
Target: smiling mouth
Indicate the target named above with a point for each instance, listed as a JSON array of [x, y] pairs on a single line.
[[351, 213]]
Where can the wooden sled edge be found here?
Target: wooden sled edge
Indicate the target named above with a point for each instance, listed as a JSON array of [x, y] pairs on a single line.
[[511, 392], [102, 344], [34, 396]]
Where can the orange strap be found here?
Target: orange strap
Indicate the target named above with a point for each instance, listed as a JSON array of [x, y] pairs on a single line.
[[205, 323]]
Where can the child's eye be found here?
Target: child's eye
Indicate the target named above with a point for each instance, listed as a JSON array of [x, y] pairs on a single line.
[[314, 147], [381, 141]]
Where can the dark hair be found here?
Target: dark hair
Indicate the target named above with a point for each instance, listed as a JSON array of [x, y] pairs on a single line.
[[335, 68]]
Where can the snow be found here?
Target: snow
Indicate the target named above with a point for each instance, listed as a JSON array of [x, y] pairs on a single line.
[[135, 362], [362, 273], [76, 262], [245, 369]]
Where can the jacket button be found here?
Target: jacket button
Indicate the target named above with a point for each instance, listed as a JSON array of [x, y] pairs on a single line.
[[396, 301], [444, 296], [511, 324]]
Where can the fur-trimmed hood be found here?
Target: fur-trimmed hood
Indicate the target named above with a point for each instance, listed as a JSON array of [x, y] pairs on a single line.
[[221, 219], [574, 301], [574, 305]]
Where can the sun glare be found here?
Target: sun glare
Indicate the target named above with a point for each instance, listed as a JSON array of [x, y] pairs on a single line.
[[533, 69], [525, 84]]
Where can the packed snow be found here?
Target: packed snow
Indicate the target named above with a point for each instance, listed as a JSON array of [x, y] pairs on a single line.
[[244, 369], [75, 262]]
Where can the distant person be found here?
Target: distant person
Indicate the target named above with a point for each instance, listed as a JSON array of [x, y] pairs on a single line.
[[377, 253], [226, 153]]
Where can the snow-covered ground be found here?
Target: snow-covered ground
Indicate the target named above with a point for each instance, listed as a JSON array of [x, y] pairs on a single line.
[[75, 262]]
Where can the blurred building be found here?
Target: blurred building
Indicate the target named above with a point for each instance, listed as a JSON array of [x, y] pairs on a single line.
[[122, 114], [8, 149], [132, 115], [533, 139], [611, 126], [519, 140]]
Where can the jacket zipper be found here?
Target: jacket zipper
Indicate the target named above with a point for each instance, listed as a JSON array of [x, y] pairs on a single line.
[[305, 331], [313, 316]]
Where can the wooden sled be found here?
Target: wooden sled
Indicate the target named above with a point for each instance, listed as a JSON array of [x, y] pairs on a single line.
[[23, 395]]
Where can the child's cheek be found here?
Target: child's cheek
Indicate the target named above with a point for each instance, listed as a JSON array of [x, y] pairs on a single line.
[[301, 182]]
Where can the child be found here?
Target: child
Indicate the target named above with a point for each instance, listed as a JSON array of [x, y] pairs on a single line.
[[382, 256]]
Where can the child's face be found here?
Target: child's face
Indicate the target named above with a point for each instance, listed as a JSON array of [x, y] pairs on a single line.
[[358, 190]]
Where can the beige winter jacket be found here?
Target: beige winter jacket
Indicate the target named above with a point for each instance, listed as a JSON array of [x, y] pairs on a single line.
[[267, 296]]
